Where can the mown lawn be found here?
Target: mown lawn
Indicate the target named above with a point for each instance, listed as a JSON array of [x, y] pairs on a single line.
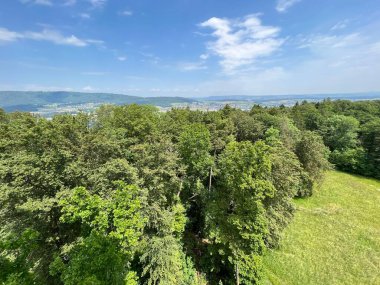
[[334, 237]]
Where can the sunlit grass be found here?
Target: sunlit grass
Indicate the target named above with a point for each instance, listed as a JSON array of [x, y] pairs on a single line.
[[334, 237]]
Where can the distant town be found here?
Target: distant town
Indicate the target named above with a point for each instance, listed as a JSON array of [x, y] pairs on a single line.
[[48, 104]]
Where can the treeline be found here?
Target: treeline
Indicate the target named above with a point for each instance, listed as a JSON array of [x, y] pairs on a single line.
[[129, 195], [351, 130]]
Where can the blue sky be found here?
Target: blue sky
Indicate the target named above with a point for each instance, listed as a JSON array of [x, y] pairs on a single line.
[[190, 47]]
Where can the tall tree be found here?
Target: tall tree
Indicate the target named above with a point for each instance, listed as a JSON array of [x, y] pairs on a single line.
[[340, 132], [313, 155], [238, 219]]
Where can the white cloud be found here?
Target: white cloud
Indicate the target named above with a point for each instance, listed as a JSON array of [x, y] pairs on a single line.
[[97, 3], [240, 42], [122, 58], [283, 5], [50, 2], [327, 42], [8, 36], [126, 13], [95, 42], [55, 37], [340, 25], [46, 35], [191, 66], [85, 16], [150, 57], [43, 2], [70, 2], [88, 88], [204, 56], [38, 2], [335, 63]]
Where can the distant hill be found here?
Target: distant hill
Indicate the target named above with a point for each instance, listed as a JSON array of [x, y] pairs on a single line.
[[297, 97], [32, 101], [48, 104]]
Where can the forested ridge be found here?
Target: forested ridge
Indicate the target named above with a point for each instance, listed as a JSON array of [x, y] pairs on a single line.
[[130, 195]]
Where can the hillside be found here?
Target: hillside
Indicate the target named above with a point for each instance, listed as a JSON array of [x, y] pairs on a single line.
[[334, 238], [50, 103], [290, 99], [32, 101]]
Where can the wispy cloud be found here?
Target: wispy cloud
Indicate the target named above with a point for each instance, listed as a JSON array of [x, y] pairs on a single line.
[[8, 36], [327, 42], [69, 2], [122, 58], [240, 42], [283, 5], [204, 56], [97, 3], [43, 2], [85, 16], [65, 3], [126, 13], [48, 35], [38, 2], [192, 66], [94, 73], [54, 37], [88, 89], [340, 25], [150, 57]]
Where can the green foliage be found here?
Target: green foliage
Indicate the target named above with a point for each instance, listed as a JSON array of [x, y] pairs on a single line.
[[370, 137], [348, 128], [286, 174], [350, 160], [194, 147], [160, 254], [96, 259], [237, 214], [14, 265], [306, 116], [129, 195], [313, 156], [117, 216], [112, 227], [102, 179], [247, 127], [340, 132], [136, 122]]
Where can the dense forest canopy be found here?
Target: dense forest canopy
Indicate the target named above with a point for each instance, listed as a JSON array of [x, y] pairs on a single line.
[[130, 195]]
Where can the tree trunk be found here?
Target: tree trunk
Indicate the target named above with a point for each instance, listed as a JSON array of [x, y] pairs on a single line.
[[209, 181], [237, 275], [210, 178], [180, 188]]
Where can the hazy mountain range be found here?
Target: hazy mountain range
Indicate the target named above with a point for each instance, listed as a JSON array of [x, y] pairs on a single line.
[[31, 101], [50, 103]]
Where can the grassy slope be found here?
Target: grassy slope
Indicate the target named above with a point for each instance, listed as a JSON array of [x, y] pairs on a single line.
[[334, 238]]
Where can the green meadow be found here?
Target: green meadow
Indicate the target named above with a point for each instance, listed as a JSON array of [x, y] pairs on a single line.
[[334, 237]]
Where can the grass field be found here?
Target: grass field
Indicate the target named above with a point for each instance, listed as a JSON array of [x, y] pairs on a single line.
[[334, 237]]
